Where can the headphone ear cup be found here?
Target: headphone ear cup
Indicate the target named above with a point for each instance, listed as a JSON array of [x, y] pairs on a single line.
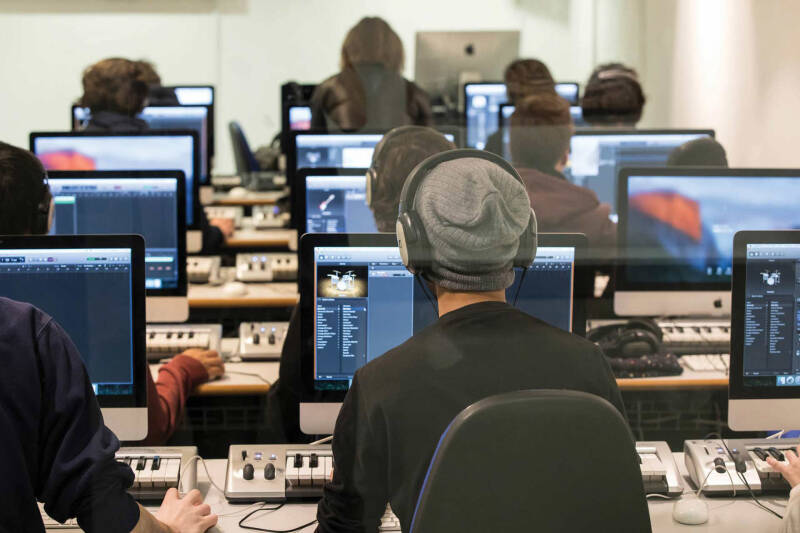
[[369, 185], [528, 241], [404, 235]]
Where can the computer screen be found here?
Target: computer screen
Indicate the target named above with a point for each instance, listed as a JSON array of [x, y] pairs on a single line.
[[764, 390], [299, 117], [596, 157], [482, 104], [147, 204], [141, 151], [183, 117], [676, 230], [89, 287], [506, 110], [195, 95], [337, 150], [366, 303], [337, 204]]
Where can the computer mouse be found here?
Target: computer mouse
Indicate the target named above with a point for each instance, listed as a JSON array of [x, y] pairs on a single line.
[[690, 511], [234, 288], [237, 192]]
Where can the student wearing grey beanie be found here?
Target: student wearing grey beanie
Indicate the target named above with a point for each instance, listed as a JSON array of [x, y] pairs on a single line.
[[472, 212]]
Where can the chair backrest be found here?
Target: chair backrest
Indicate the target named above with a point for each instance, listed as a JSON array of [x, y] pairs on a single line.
[[242, 155], [543, 460]]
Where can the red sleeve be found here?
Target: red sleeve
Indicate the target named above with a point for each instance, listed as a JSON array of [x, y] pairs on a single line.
[[166, 398]]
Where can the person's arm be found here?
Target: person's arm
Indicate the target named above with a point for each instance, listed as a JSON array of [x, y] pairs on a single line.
[[791, 473], [176, 380], [356, 497], [78, 475], [213, 237]]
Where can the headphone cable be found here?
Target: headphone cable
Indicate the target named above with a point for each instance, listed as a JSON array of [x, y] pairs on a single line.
[[519, 287], [425, 292]]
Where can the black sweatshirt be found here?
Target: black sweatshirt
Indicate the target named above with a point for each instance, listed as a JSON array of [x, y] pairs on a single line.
[[399, 405], [54, 445]]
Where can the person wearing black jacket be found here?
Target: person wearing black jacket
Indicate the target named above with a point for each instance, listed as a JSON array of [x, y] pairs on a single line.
[[116, 90], [475, 216], [393, 158]]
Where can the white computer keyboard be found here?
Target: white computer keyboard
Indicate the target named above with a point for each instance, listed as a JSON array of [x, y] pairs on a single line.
[[49, 523], [707, 362]]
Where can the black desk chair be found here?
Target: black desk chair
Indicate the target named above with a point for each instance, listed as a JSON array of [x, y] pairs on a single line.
[[242, 155], [540, 461]]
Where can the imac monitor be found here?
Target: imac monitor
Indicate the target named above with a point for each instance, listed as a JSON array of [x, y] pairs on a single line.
[[333, 200], [446, 60], [194, 94], [93, 286], [596, 156], [181, 117], [146, 203], [764, 390], [676, 229], [152, 150], [336, 150], [359, 301], [482, 103]]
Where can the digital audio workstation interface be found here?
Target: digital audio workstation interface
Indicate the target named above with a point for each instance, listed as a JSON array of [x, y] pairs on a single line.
[[772, 315], [337, 204], [142, 206], [64, 283], [338, 150], [679, 229], [482, 103], [166, 118], [595, 159], [124, 152], [367, 303]]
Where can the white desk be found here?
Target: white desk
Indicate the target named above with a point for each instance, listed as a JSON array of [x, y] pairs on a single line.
[[275, 294], [727, 515], [240, 379], [263, 238], [248, 198]]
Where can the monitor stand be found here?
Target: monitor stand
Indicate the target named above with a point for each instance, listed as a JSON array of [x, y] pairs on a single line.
[[319, 418], [194, 241], [127, 423], [167, 309]]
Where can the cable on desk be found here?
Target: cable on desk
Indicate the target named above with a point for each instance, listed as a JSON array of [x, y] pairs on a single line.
[[188, 464], [251, 374], [322, 441], [253, 528], [752, 494]]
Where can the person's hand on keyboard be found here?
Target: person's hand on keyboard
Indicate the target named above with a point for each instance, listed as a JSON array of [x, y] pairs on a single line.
[[789, 470], [186, 515]]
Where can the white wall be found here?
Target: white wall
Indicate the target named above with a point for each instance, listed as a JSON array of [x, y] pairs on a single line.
[[731, 65], [247, 48]]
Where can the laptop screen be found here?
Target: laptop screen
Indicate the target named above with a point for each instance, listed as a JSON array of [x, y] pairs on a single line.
[[366, 303], [677, 230], [595, 158], [337, 204], [79, 151], [116, 205], [88, 292]]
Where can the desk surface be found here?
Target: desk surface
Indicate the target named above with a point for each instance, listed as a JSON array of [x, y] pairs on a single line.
[[240, 379], [265, 238], [727, 515], [688, 380], [275, 294], [249, 198]]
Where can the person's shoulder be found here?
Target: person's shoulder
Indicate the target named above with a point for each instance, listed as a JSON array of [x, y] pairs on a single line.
[[13, 311], [385, 370], [545, 333]]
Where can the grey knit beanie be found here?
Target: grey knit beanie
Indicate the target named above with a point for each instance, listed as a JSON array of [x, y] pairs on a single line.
[[473, 212]]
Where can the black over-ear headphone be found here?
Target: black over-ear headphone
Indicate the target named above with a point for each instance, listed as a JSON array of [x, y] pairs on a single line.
[[372, 172], [411, 237], [634, 338], [41, 220]]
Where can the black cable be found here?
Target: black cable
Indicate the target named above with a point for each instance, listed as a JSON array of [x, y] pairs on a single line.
[[519, 287], [272, 509], [425, 292], [752, 494]]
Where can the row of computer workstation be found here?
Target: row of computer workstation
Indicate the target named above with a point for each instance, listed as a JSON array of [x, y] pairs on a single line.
[[674, 262]]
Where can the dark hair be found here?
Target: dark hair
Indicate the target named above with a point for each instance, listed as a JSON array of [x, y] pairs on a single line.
[[23, 188], [541, 129], [117, 85], [702, 152], [372, 40], [613, 96], [394, 161], [527, 76]]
